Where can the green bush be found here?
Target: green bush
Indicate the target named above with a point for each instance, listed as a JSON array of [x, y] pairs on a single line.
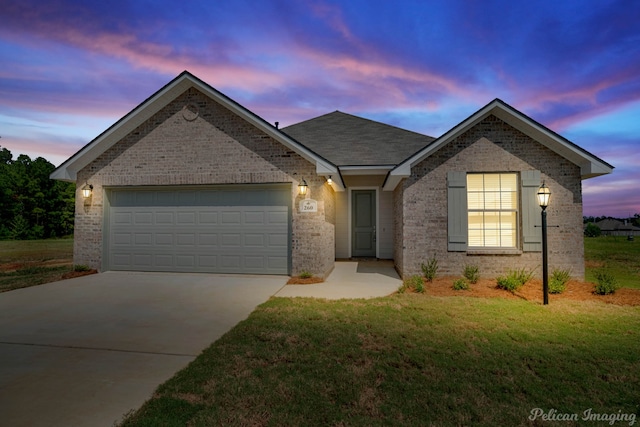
[[430, 269], [558, 281], [413, 283], [460, 285], [607, 283], [471, 273], [514, 279], [81, 267], [592, 230], [305, 275]]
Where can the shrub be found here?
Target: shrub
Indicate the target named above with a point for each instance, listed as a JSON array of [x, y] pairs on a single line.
[[592, 230], [508, 283], [514, 279], [81, 267], [607, 284], [460, 285], [471, 273], [430, 268], [413, 283], [305, 275], [558, 281]]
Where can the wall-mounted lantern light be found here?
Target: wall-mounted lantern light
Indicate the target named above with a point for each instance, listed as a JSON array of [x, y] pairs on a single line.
[[86, 191], [303, 187], [329, 180], [544, 194]]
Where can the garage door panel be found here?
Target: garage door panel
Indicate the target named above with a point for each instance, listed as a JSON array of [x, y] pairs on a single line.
[[207, 218], [186, 218], [164, 239], [156, 231]]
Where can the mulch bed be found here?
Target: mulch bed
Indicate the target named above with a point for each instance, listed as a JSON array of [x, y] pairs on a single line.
[[305, 281], [73, 274], [532, 291]]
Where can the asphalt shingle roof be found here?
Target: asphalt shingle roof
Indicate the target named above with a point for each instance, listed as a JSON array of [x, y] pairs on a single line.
[[347, 140]]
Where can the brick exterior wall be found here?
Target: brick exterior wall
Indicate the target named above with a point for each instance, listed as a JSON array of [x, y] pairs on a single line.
[[217, 147], [420, 203]]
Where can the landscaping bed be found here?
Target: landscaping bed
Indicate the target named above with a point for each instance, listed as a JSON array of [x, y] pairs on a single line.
[[532, 291]]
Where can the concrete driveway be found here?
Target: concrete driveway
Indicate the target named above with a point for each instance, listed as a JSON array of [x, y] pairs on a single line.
[[85, 351]]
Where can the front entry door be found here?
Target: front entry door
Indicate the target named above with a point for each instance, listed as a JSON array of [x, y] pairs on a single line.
[[363, 223]]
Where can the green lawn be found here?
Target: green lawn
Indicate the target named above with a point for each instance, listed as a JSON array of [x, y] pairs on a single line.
[[618, 255], [22, 251], [24, 263], [409, 360]]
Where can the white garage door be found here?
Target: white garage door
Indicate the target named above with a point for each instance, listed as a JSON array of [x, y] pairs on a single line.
[[230, 229]]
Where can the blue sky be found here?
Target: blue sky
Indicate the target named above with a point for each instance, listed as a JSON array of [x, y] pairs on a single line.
[[70, 69]]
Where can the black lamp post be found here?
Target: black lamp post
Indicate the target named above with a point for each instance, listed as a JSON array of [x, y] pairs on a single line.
[[544, 194]]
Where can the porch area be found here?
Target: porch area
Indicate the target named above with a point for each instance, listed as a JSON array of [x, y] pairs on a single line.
[[350, 279]]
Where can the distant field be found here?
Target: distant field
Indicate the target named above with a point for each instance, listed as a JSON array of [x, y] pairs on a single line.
[[616, 254]]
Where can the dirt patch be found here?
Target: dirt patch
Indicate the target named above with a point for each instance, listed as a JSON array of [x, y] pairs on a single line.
[[304, 281], [532, 291], [73, 274], [15, 266]]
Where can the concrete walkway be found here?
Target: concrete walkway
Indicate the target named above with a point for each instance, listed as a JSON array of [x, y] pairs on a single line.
[[351, 279]]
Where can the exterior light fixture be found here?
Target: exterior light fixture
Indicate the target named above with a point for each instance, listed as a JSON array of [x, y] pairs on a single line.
[[544, 194], [303, 187], [329, 180], [86, 191]]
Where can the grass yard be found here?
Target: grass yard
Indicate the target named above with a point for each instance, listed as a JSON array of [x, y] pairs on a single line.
[[410, 360], [616, 254], [25, 263]]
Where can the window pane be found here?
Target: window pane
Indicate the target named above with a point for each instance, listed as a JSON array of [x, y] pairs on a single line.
[[509, 200], [492, 200], [475, 200], [492, 238], [492, 182], [475, 182], [492, 220], [476, 220], [476, 238], [508, 182]]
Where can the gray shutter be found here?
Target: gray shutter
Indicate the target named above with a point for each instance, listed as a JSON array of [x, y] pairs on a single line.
[[457, 211], [531, 235]]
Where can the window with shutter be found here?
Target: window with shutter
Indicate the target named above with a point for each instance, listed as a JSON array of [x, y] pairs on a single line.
[[486, 210]]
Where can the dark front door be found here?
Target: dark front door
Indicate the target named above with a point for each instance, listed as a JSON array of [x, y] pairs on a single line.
[[363, 223]]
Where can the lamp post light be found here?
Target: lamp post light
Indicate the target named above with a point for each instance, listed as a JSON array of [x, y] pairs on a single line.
[[544, 194]]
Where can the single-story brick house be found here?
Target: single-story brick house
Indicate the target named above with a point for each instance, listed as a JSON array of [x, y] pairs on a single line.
[[191, 181]]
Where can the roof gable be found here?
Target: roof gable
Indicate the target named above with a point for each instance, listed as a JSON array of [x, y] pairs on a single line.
[[355, 141], [590, 165], [68, 170]]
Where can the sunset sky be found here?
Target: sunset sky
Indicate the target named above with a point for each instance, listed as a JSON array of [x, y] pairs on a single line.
[[70, 69]]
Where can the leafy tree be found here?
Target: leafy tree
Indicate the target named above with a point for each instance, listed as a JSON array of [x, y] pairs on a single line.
[[33, 206], [592, 230]]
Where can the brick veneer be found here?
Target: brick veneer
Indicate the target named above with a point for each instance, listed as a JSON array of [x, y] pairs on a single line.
[[217, 147], [420, 203]]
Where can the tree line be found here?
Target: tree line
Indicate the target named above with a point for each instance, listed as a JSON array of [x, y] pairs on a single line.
[[33, 206]]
